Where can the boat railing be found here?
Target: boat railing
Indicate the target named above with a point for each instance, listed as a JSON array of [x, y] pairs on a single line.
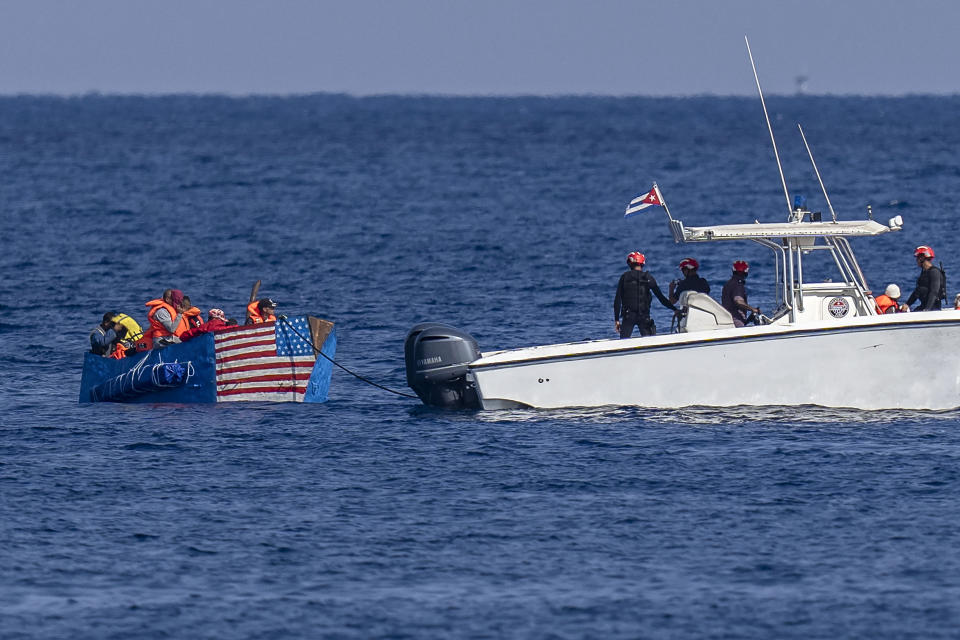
[[676, 229]]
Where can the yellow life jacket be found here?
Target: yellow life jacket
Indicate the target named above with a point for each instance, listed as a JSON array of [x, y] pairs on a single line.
[[134, 331]]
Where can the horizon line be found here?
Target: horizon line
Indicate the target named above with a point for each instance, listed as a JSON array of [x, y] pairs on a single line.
[[442, 95]]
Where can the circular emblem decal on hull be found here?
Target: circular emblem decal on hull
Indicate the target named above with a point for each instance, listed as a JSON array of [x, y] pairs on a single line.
[[838, 307]]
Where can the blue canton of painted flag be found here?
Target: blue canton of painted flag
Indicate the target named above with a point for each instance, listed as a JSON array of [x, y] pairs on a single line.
[[291, 344]]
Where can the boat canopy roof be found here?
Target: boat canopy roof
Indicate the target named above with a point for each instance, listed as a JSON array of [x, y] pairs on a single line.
[[768, 230]]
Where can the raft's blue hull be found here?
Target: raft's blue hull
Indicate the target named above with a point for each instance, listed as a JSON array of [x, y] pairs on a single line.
[[188, 372]]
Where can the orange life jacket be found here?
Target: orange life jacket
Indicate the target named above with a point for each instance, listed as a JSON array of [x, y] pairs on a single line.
[[144, 342], [119, 352], [253, 312], [884, 304], [157, 330], [190, 319]]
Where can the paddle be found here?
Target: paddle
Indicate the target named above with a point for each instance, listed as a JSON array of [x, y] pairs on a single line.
[[253, 297]]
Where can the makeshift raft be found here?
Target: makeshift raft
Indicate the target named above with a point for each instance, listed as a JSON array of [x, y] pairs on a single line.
[[270, 362]]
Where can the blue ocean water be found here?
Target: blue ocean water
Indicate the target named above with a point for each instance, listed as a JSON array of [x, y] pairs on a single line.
[[374, 517]]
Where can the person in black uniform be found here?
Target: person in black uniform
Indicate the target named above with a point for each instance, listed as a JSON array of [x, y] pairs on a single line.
[[931, 285], [632, 302], [734, 294], [691, 280]]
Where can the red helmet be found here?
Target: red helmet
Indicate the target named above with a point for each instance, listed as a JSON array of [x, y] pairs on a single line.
[[741, 265], [636, 258], [923, 251], [689, 263]]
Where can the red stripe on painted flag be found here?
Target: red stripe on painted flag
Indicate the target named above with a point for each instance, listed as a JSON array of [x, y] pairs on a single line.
[[249, 368]]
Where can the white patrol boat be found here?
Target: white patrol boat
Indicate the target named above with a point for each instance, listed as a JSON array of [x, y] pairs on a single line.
[[818, 326], [830, 324]]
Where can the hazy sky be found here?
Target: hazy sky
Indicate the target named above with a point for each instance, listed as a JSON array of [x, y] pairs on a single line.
[[667, 47]]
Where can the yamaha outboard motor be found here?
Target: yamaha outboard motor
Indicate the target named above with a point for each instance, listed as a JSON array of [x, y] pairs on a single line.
[[437, 356]]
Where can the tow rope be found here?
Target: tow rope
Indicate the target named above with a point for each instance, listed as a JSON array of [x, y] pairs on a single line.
[[283, 319]]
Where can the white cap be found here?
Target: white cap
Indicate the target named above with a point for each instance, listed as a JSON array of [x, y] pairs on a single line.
[[893, 291]]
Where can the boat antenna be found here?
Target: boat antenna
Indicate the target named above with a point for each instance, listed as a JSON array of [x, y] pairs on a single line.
[[766, 115], [813, 162]]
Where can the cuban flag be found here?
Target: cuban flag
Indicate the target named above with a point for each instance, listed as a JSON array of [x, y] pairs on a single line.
[[638, 204]]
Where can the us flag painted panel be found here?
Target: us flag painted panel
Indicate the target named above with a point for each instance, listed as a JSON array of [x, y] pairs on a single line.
[[265, 362]]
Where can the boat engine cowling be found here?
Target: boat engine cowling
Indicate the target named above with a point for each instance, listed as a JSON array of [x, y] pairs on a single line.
[[436, 357]]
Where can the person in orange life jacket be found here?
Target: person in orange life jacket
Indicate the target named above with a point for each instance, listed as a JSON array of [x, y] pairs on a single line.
[[164, 316], [889, 301], [107, 335], [216, 319], [191, 316], [929, 284], [261, 311], [632, 300], [734, 294]]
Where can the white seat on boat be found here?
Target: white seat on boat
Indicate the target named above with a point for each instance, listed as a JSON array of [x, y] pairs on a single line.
[[703, 313]]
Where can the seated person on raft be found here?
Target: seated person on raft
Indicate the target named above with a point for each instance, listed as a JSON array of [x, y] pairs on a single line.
[[165, 322], [216, 319], [261, 311], [107, 335]]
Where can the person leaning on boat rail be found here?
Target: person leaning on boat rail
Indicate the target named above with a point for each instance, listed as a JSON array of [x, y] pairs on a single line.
[[734, 294], [691, 280], [191, 317], [931, 285], [115, 336], [889, 301], [631, 304], [216, 319]]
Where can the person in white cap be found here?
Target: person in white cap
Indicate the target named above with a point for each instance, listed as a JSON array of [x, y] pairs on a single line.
[[889, 301]]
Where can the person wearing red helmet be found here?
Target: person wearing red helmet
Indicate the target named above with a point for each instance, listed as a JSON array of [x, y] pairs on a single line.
[[632, 301], [734, 294], [931, 285], [691, 280]]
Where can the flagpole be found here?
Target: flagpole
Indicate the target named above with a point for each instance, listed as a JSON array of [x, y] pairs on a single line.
[[662, 201]]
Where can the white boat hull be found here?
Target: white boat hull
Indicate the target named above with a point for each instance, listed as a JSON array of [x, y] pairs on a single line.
[[907, 361]]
